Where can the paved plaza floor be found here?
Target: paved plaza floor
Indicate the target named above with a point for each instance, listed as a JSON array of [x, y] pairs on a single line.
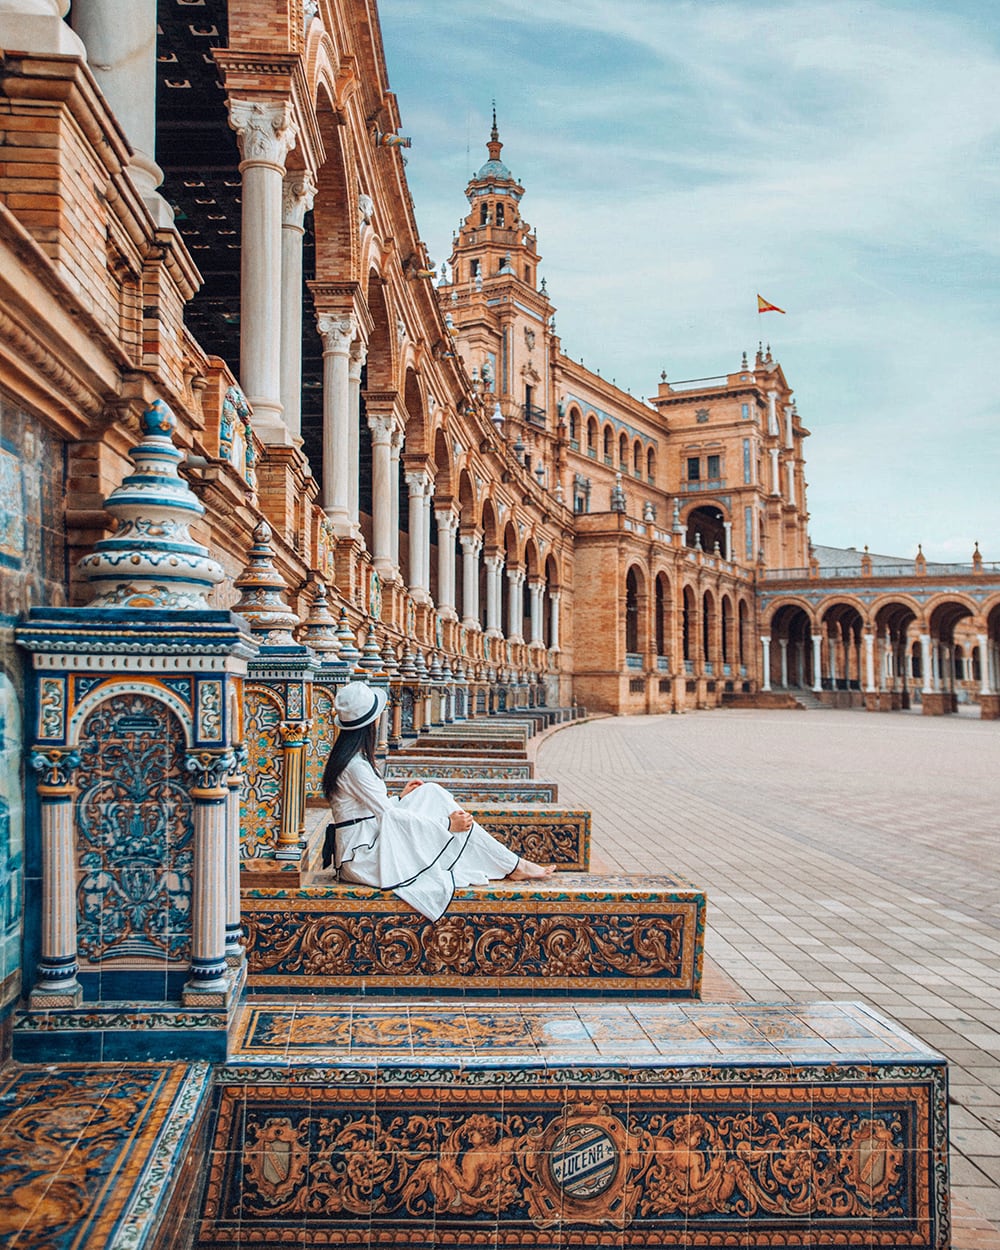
[[846, 855]]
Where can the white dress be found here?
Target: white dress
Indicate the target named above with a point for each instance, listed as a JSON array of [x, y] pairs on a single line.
[[405, 845]]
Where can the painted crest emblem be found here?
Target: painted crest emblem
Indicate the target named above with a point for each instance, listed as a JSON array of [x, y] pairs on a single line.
[[584, 1161]]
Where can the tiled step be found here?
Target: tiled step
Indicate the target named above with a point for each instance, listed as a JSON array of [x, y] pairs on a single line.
[[437, 744], [492, 791], [578, 934], [572, 1124], [457, 767]]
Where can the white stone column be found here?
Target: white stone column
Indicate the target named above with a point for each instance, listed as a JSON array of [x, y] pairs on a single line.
[[790, 479], [984, 664], [120, 37], [765, 643], [870, 686], [38, 26], [772, 412], [925, 664], [775, 472], [554, 597], [420, 488], [494, 568], [337, 332], [297, 194], [266, 133], [789, 434], [783, 644], [515, 606], [395, 451], [381, 428], [832, 641], [535, 591], [359, 354], [728, 528], [447, 528], [817, 640], [472, 544]]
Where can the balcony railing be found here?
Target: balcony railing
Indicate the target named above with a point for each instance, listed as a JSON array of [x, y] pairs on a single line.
[[712, 483], [933, 569], [633, 659], [533, 414]]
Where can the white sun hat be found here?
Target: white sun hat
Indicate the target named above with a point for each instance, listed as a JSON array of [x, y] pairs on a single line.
[[358, 705]]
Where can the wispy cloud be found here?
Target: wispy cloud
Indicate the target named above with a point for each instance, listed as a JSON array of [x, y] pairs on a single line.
[[678, 156]]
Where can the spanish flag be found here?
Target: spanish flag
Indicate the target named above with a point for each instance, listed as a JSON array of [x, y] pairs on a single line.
[[764, 306]]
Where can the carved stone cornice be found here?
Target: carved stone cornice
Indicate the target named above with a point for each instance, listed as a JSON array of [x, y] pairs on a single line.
[[37, 350]]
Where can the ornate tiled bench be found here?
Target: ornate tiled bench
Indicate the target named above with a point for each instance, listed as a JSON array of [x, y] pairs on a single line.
[[433, 745], [575, 934], [605, 1124], [457, 767], [546, 834], [103, 1156], [498, 791]]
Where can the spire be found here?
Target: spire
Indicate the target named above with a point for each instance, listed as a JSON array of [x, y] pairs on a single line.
[[494, 145]]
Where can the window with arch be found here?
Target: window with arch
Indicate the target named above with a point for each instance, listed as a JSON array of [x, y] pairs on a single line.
[[484, 214], [651, 464], [592, 437], [661, 615], [631, 612], [637, 459], [727, 625], [608, 444], [574, 427], [500, 215], [688, 624], [741, 640], [623, 452]]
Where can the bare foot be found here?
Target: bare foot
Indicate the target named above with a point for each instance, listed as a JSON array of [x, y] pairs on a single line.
[[525, 870]]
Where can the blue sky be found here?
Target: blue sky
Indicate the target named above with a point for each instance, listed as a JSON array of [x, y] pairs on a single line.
[[678, 156]]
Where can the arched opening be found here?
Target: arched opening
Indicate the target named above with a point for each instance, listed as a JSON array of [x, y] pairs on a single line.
[[725, 631], [608, 444], [574, 428], [894, 678], [743, 636], [941, 679], [632, 612], [623, 452], [662, 619], [709, 631], [592, 437], [706, 528], [844, 661], [651, 465], [688, 624], [792, 651], [637, 459]]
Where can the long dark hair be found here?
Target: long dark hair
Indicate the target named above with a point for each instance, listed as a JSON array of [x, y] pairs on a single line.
[[348, 744]]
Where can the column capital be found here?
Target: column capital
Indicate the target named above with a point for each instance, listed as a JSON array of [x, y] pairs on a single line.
[[359, 354], [337, 330], [55, 767], [447, 518], [211, 771], [516, 576], [472, 544], [494, 562], [382, 428], [298, 191], [265, 131], [419, 482]]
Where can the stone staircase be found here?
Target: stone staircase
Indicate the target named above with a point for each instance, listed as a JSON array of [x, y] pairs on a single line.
[[806, 699]]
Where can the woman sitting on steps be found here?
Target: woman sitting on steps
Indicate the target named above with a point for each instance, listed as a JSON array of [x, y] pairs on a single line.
[[422, 846]]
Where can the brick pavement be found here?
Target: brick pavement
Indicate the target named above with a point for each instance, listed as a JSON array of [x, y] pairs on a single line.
[[846, 855]]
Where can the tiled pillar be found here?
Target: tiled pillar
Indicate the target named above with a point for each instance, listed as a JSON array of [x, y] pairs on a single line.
[[447, 527], [765, 643], [209, 902], [472, 544], [235, 953], [337, 332], [57, 969], [359, 354], [817, 641], [120, 36], [294, 736], [298, 192], [494, 569], [266, 133], [554, 597]]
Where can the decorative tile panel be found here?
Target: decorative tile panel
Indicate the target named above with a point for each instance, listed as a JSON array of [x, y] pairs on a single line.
[[134, 834], [589, 935], [321, 736], [260, 814]]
